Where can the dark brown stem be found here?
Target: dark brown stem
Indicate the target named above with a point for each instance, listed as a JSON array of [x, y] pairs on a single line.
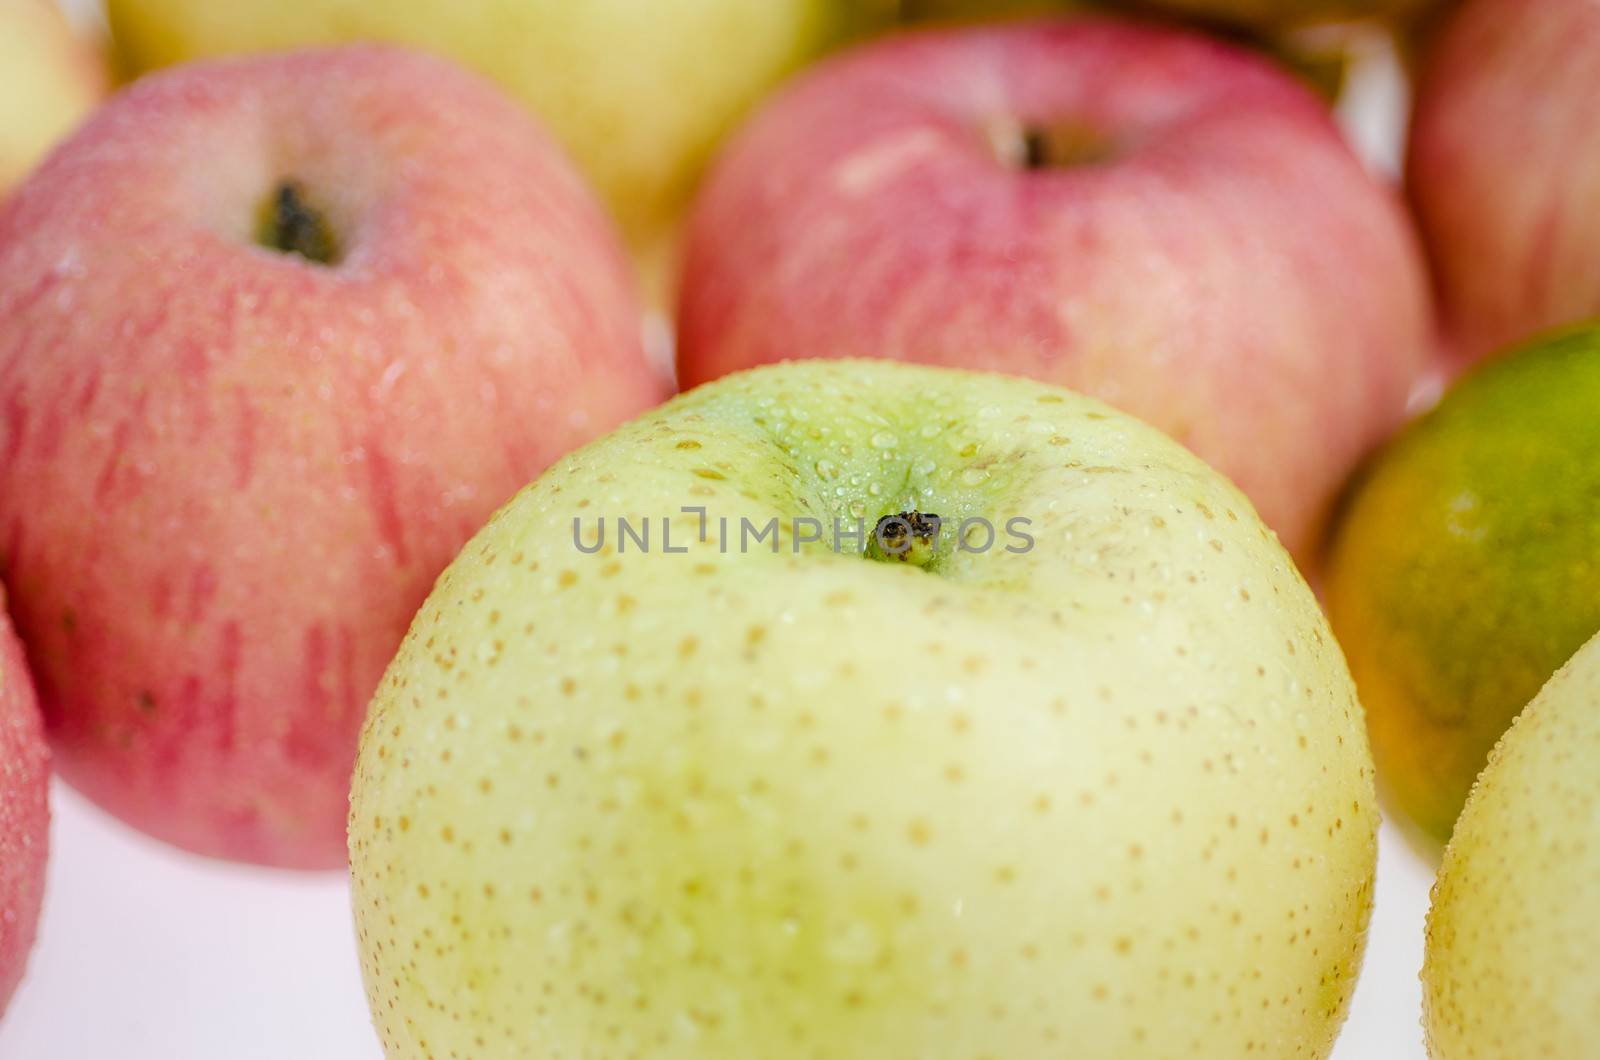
[[291, 225], [907, 537]]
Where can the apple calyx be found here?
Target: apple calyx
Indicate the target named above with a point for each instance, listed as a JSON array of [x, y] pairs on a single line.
[[291, 225], [905, 537]]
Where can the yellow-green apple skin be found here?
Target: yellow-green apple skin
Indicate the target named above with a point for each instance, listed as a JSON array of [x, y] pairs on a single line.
[[638, 91], [1513, 956], [1104, 797], [49, 79]]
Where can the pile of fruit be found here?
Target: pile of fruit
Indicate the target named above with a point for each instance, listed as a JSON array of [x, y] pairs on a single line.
[[938, 677]]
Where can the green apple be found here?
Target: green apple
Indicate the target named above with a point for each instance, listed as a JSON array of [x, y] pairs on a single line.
[[1076, 771], [638, 91], [1512, 969]]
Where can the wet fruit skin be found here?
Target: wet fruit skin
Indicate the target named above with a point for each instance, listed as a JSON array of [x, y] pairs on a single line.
[[24, 809], [1512, 936], [1108, 798], [1466, 566]]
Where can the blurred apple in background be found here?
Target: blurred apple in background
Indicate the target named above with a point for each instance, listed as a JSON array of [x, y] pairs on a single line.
[[1465, 566], [1146, 215], [276, 335], [1102, 795], [50, 77], [639, 91], [915, 11], [24, 809], [1278, 14], [1513, 958], [1504, 168]]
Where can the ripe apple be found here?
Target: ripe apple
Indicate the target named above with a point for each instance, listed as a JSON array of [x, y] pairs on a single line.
[[1504, 168], [1160, 220], [24, 809], [1092, 783], [49, 79], [276, 335], [638, 91], [1512, 936]]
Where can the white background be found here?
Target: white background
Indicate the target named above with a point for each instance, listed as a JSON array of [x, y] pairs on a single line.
[[146, 953]]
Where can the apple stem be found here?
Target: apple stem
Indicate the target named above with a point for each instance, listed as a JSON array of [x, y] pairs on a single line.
[[1035, 149], [1042, 145], [906, 537], [293, 226]]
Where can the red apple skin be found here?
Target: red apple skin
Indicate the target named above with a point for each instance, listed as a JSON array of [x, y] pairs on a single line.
[[24, 809], [1230, 273], [228, 475], [1503, 169]]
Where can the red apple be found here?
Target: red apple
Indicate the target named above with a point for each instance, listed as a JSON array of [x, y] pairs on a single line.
[[1504, 168], [1163, 221], [24, 810], [276, 336]]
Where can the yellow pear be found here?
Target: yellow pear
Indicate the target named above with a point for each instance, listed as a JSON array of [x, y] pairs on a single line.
[[942, 715], [639, 91], [1513, 956], [50, 77]]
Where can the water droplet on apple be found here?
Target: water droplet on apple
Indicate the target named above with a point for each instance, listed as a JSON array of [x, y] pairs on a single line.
[[974, 476], [827, 469], [883, 440]]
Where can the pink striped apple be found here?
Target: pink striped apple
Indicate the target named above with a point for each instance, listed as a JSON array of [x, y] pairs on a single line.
[[24, 809], [276, 335], [1165, 222], [1504, 169]]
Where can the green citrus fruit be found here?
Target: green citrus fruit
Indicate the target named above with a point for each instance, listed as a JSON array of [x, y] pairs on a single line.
[[1466, 566]]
